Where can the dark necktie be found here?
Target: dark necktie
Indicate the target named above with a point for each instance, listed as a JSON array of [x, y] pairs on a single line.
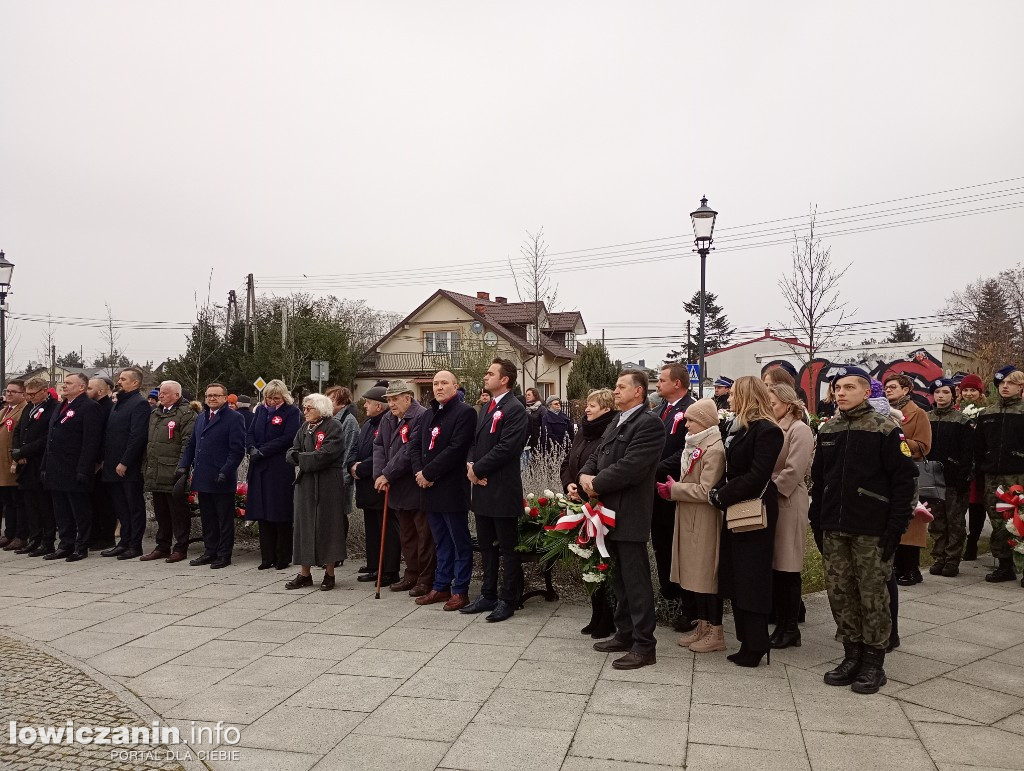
[[664, 412], [491, 407]]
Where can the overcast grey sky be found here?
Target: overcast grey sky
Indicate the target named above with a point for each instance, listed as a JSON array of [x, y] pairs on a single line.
[[143, 143]]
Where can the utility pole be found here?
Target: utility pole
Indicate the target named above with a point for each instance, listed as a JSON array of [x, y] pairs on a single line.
[[248, 312], [232, 305], [688, 343], [284, 326], [53, 364], [602, 339], [252, 302]]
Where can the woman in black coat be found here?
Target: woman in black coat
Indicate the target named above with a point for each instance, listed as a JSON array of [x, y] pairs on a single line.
[[752, 445], [598, 415]]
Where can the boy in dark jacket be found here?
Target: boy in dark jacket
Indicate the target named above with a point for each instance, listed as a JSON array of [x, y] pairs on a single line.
[[953, 447]]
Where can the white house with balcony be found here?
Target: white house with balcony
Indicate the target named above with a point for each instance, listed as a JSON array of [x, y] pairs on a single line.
[[450, 329]]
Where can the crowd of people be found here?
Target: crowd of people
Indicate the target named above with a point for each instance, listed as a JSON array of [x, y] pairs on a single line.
[[724, 490]]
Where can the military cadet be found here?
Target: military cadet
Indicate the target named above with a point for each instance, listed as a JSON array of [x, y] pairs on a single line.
[[863, 479], [723, 386], [1000, 456], [953, 447]]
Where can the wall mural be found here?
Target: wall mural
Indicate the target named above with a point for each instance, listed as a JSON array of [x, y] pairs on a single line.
[[814, 376]]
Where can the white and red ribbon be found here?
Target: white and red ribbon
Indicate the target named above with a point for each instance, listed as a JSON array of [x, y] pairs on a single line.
[[67, 416], [678, 418], [494, 420], [38, 415], [170, 429], [694, 458], [277, 420], [1009, 504], [434, 433], [594, 521], [10, 425], [319, 438], [404, 433]]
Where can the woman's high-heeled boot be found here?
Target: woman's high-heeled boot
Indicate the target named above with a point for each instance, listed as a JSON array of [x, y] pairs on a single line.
[[596, 601]]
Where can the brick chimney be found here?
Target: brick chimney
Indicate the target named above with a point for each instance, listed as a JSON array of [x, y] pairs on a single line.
[[767, 332], [480, 309], [501, 300], [483, 296]]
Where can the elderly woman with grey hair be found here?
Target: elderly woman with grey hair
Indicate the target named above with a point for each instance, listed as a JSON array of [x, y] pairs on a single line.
[[318, 453]]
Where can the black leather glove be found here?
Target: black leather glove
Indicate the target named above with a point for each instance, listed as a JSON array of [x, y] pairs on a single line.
[[82, 479], [255, 453], [16, 453], [178, 473], [713, 499], [819, 540], [888, 543], [221, 478]]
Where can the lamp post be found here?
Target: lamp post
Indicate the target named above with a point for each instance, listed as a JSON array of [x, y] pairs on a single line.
[[6, 271], [703, 228]]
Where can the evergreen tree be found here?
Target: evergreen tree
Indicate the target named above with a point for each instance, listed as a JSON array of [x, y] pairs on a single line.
[[591, 369], [903, 333], [71, 360], [717, 332]]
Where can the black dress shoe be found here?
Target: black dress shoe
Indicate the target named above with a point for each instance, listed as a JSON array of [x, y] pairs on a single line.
[[905, 580], [387, 579], [282, 566], [28, 548], [75, 556], [612, 646], [364, 569], [117, 551], [41, 551], [220, 562], [327, 584], [502, 611], [479, 605], [130, 554], [366, 577], [299, 581], [634, 661], [205, 559], [60, 554], [265, 566]]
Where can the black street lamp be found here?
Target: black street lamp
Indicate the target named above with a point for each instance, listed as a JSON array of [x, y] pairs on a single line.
[[6, 271], [703, 228]]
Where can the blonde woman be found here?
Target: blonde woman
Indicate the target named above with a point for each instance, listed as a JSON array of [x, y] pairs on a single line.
[[698, 525], [753, 442], [318, 453], [789, 476]]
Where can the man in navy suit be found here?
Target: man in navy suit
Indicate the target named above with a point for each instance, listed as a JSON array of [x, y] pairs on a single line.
[[214, 453]]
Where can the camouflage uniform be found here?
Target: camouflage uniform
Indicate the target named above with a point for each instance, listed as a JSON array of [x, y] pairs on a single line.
[[1000, 456], [953, 447], [863, 488]]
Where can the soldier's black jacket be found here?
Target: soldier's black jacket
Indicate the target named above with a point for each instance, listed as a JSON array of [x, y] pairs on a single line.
[[862, 475], [952, 446], [999, 441]]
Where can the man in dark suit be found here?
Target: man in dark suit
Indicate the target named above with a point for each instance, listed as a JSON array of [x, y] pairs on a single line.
[[438, 449], [621, 474], [674, 388], [103, 520], [493, 468], [72, 449], [27, 451], [214, 452], [124, 442]]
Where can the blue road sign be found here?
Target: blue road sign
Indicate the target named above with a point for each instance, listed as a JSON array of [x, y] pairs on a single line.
[[694, 372]]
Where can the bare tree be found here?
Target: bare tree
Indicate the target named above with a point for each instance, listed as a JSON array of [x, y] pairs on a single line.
[[534, 285], [811, 293]]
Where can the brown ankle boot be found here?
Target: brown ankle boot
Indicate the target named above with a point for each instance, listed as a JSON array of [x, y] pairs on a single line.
[[698, 632], [714, 640]]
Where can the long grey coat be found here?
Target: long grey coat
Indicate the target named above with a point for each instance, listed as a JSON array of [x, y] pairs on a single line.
[[321, 524]]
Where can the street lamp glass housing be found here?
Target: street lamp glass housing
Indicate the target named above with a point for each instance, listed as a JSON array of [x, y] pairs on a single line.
[[703, 223], [6, 271]]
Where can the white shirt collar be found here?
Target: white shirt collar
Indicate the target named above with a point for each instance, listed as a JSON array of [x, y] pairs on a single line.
[[627, 413]]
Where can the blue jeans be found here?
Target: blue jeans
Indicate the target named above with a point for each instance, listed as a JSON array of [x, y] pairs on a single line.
[[454, 551]]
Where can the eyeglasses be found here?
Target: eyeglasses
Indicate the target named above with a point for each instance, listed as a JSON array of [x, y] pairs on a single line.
[[216, 396], [32, 393], [307, 407], [11, 391]]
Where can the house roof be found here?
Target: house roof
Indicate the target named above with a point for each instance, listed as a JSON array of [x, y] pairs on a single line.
[[499, 317], [766, 336]]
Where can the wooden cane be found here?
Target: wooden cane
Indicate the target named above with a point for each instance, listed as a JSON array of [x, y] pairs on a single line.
[[383, 535]]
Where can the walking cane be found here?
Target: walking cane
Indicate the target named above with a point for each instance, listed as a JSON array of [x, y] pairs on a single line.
[[383, 535]]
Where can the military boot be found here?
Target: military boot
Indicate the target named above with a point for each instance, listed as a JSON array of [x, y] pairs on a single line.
[[848, 668], [872, 676], [1004, 572]]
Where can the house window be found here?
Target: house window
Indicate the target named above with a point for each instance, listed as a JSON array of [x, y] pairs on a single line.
[[570, 341], [531, 334], [440, 342]]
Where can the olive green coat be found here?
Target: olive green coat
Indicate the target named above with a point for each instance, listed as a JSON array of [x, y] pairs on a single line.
[[165, 445]]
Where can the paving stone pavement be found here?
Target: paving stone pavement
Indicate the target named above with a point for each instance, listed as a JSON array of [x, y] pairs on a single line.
[[339, 680]]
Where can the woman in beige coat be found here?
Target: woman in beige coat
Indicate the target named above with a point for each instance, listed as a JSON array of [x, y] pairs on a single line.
[[698, 524], [790, 474]]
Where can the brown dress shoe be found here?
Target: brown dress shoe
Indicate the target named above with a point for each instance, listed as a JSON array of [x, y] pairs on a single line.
[[156, 554], [634, 661], [420, 590], [403, 586], [433, 596], [17, 543], [611, 646], [457, 601], [176, 556], [4, 540]]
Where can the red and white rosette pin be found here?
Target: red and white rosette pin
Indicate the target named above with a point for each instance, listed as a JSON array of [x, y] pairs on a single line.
[[678, 418], [434, 433], [404, 433], [170, 429], [67, 416], [276, 420], [38, 415], [10, 425], [1009, 504], [319, 438], [594, 521], [494, 420], [694, 458]]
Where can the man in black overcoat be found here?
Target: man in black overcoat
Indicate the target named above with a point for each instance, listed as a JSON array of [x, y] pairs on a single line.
[[620, 473], [494, 469], [27, 451], [104, 522], [124, 443], [72, 449], [674, 387]]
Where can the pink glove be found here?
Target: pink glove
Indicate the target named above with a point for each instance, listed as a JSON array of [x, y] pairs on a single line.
[[665, 488]]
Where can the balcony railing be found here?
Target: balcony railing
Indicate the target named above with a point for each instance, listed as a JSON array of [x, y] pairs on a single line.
[[409, 363]]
